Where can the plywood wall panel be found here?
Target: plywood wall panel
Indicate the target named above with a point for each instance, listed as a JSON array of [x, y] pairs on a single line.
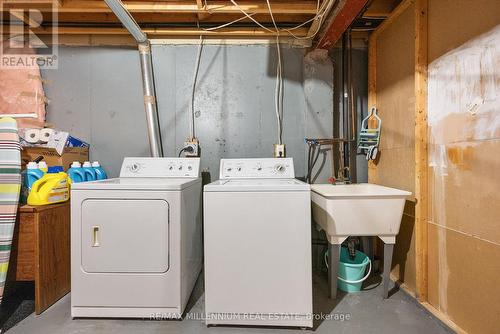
[[464, 141], [463, 115], [454, 22], [463, 274], [395, 168], [395, 82], [395, 99], [465, 192]]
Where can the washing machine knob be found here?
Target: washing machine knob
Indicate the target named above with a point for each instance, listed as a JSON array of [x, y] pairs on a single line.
[[279, 168], [134, 168]]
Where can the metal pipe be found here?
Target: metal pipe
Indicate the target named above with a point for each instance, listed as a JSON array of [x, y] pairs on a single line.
[[147, 74], [345, 105], [150, 105], [127, 20], [352, 114]]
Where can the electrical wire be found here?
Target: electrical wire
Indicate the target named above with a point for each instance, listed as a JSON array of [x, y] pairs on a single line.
[[320, 14], [251, 18], [278, 97], [227, 24], [321, 10], [193, 89], [279, 92], [180, 152], [205, 6]]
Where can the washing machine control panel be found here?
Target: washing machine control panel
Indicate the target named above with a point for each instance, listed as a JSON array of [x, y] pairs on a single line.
[[265, 168], [160, 167]]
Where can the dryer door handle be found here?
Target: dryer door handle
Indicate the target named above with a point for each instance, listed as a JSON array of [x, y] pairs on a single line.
[[95, 236]]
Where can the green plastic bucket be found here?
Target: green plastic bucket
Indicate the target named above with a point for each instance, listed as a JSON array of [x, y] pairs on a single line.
[[351, 273]]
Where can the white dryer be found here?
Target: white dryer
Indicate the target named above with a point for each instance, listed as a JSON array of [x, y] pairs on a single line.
[[136, 240], [257, 237]]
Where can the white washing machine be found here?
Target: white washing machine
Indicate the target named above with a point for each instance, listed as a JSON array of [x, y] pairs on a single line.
[[136, 240], [257, 237]]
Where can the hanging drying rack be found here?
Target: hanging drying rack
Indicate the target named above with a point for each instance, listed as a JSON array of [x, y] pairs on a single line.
[[369, 137]]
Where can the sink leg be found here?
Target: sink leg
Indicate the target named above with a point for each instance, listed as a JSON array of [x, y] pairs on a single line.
[[366, 242], [333, 267], [388, 249]]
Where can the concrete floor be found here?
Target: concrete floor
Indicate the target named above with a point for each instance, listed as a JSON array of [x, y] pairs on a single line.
[[367, 312]]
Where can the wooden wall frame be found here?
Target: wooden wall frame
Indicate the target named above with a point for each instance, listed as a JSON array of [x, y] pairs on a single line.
[[421, 149], [421, 129]]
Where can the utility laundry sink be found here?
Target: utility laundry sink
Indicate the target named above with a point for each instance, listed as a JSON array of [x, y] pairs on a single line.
[[358, 210]]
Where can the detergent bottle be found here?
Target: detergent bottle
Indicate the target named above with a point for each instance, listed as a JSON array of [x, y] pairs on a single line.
[[52, 188], [33, 173], [29, 176], [76, 173], [99, 171], [42, 165], [89, 172]]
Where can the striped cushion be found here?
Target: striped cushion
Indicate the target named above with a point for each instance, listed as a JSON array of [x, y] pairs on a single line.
[[10, 185]]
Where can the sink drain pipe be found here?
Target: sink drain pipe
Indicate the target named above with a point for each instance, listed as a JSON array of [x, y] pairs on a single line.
[[148, 86]]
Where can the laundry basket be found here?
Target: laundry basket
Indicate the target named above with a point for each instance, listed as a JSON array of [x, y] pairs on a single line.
[[351, 273]]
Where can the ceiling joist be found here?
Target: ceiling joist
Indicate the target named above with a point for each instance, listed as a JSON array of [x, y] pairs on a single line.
[[152, 32], [192, 6], [321, 20]]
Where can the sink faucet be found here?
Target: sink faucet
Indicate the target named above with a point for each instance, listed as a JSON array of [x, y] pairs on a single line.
[[343, 175]]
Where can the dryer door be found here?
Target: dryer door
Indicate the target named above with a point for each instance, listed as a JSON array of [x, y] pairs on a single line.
[[125, 236]]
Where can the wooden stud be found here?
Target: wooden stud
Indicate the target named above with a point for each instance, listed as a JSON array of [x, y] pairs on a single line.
[[33, 2], [172, 18], [421, 149], [372, 81], [203, 12], [154, 32], [87, 6], [372, 71]]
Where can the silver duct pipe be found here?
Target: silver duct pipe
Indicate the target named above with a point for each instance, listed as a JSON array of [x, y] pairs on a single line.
[[150, 106], [148, 85]]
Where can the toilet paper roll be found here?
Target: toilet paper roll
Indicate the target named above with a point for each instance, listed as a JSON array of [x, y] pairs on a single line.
[[46, 135], [32, 136]]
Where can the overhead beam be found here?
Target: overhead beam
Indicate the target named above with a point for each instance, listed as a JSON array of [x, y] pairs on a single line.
[[201, 7], [380, 8], [92, 6], [24, 17], [340, 20], [33, 2], [175, 32], [172, 18]]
